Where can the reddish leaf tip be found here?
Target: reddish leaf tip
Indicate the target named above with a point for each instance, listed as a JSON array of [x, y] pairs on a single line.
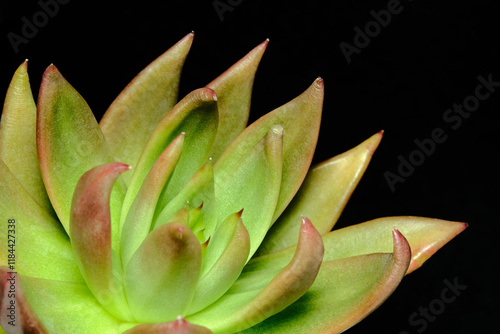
[[402, 250]]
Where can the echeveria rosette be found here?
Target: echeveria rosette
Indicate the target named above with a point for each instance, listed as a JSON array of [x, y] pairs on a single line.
[[217, 227]]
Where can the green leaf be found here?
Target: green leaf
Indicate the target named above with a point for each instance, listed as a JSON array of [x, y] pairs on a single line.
[[425, 236], [138, 222], [16, 314], [179, 326], [234, 94], [253, 185], [18, 137], [239, 310], [90, 232], [40, 242], [322, 196], [198, 191], [345, 292], [300, 119], [196, 116], [161, 277], [225, 257], [69, 144], [135, 113], [67, 307]]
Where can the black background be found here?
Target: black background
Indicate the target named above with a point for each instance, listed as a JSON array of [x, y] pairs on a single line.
[[426, 59]]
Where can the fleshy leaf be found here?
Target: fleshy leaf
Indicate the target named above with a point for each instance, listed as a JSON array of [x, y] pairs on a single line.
[[199, 190], [234, 94], [38, 239], [345, 292], [52, 300], [90, 232], [16, 314], [18, 137], [300, 119], [161, 276], [69, 144], [239, 310], [425, 236], [134, 114], [196, 116], [179, 326], [138, 222], [253, 185], [216, 279], [322, 196]]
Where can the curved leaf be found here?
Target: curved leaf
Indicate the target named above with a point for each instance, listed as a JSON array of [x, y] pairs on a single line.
[[138, 222], [161, 276], [253, 185], [18, 137], [345, 292], [216, 279], [300, 119], [39, 240], [135, 113], [239, 310], [425, 236], [196, 116], [16, 314], [322, 196], [234, 94], [69, 143], [90, 232]]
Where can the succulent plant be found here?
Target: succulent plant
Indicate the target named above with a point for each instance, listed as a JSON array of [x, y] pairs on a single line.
[[218, 227]]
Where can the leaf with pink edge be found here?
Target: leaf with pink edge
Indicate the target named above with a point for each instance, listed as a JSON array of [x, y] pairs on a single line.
[[69, 144], [91, 237], [238, 309], [425, 236], [132, 117], [345, 292], [234, 94], [322, 196]]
